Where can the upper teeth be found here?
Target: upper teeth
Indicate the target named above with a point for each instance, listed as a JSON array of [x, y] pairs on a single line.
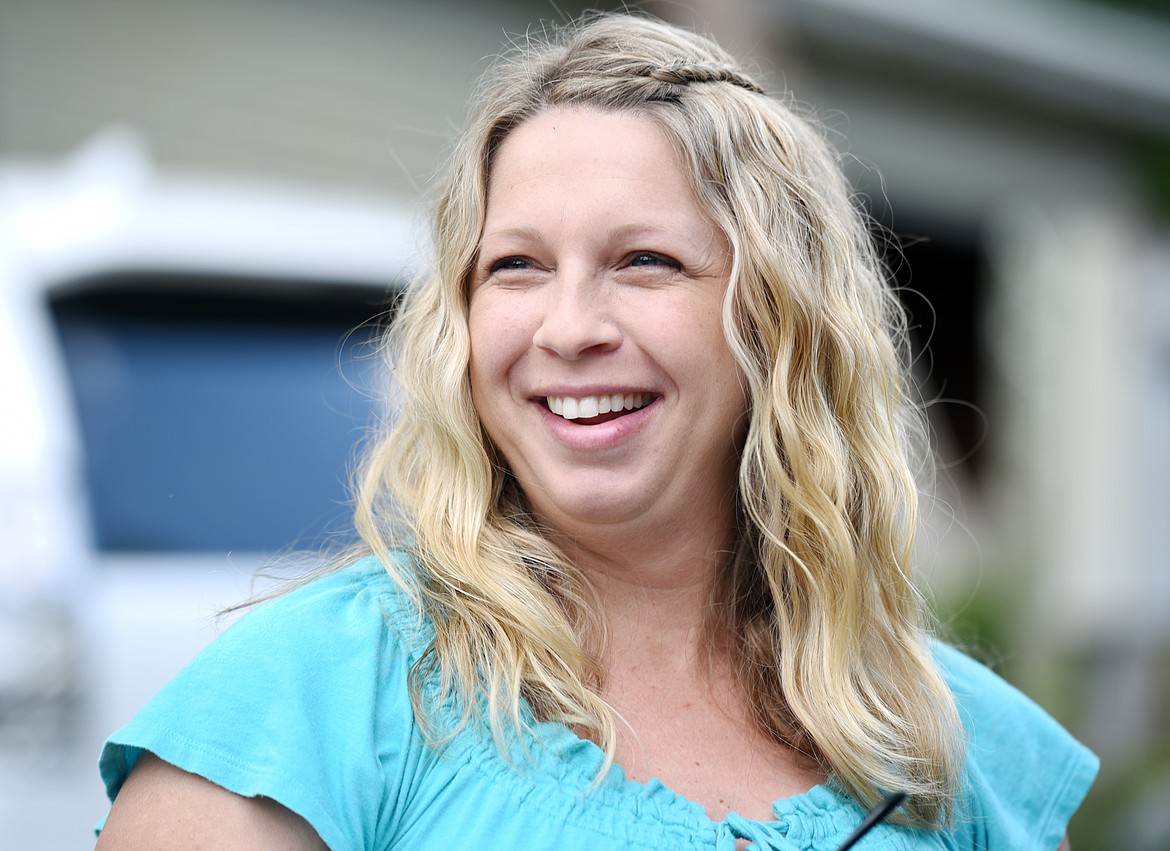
[[574, 407]]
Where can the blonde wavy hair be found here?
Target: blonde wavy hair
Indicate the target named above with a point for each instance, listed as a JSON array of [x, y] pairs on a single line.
[[829, 632]]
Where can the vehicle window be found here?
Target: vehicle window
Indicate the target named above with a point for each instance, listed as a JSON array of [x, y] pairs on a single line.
[[218, 415]]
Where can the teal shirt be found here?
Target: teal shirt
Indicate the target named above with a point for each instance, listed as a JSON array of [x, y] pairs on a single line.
[[305, 700]]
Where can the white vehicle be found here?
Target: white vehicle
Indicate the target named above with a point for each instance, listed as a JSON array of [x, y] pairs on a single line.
[[182, 385]]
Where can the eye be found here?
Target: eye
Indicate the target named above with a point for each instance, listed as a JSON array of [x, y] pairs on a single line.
[[650, 258], [505, 264]]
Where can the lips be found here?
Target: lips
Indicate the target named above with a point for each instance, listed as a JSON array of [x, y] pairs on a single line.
[[594, 409]]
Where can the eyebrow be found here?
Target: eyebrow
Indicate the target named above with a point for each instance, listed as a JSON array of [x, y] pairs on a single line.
[[526, 233], [628, 231]]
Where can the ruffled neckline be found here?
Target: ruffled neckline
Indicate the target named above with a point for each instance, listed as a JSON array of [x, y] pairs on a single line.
[[562, 764]]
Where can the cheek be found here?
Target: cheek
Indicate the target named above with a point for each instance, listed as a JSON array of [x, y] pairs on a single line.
[[711, 364], [498, 342], [481, 372], [694, 336]]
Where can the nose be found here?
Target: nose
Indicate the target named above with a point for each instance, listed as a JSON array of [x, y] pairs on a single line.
[[578, 318]]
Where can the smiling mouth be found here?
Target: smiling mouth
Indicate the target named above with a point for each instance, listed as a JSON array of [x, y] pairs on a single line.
[[592, 410]]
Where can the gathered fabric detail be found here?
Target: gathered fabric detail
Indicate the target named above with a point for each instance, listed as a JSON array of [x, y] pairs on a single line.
[[763, 836], [559, 768]]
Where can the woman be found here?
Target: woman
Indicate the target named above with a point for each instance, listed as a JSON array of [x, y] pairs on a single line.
[[640, 535]]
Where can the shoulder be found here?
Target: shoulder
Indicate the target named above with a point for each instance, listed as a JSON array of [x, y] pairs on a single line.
[[304, 700], [357, 601], [980, 693], [350, 628], [1025, 774], [996, 714]]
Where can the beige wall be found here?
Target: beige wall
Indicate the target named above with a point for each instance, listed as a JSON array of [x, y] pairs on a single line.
[[356, 92]]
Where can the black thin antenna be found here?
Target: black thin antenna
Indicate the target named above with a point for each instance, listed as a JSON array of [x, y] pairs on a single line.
[[878, 813]]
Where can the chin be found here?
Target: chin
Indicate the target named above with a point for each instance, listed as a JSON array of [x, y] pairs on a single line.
[[599, 509]]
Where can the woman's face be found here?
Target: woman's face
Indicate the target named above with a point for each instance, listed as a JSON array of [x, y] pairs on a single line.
[[599, 366]]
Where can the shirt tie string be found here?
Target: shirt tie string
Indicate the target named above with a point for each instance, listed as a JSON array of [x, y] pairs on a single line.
[[764, 837]]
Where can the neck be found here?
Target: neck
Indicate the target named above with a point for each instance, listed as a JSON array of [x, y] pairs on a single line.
[[654, 595]]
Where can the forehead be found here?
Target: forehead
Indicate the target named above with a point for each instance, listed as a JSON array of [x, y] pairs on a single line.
[[578, 130], [570, 155]]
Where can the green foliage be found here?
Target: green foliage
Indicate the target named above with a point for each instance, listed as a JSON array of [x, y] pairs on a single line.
[[1152, 7], [1123, 810], [1151, 161], [981, 622]]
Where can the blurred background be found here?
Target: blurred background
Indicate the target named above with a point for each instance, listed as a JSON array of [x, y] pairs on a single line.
[[207, 206]]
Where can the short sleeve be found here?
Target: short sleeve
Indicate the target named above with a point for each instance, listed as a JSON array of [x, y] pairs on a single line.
[[303, 700], [1026, 775]]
